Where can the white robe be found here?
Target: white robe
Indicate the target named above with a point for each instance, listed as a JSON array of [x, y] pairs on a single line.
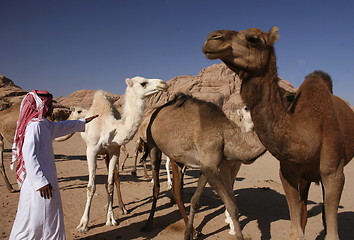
[[38, 218]]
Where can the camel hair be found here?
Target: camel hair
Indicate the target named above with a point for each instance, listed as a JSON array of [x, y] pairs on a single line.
[[247, 126], [198, 135], [107, 133], [141, 147], [313, 137], [8, 123], [77, 112]]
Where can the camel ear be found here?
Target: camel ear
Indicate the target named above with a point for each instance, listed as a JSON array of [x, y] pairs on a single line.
[[129, 82], [273, 35]]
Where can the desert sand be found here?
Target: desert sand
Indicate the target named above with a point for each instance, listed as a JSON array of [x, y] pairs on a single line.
[[258, 191]]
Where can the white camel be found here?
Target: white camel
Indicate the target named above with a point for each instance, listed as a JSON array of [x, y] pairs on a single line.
[[106, 134]]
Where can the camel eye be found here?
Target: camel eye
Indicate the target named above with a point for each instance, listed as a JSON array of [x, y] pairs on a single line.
[[143, 84], [253, 39]]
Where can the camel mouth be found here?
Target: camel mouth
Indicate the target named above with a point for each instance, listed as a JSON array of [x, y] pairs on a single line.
[[214, 53], [162, 88]]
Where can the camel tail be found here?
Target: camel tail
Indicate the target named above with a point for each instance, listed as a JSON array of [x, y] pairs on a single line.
[[325, 77]]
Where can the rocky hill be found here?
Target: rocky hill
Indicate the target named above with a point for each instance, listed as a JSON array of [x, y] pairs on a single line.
[[216, 83], [10, 93]]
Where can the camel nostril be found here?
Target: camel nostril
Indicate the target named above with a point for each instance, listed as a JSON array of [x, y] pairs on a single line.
[[216, 36]]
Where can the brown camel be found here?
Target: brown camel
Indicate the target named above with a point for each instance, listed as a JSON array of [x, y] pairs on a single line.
[[313, 137], [8, 120], [198, 135], [141, 147]]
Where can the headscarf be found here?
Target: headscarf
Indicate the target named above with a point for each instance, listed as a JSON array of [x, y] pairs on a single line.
[[34, 106]]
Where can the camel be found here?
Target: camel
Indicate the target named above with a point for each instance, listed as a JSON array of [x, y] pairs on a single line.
[[106, 134], [77, 112], [141, 147], [198, 135], [140, 144], [8, 120], [312, 137]]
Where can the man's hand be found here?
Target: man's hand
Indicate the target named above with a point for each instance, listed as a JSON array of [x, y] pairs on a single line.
[[89, 119], [46, 191]]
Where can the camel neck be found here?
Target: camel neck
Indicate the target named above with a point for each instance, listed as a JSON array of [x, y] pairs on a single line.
[[133, 111], [268, 105], [235, 141], [262, 92]]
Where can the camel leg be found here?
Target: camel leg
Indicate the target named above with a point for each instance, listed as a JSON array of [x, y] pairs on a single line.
[[190, 233], [290, 181], [2, 168], [126, 157], [177, 185], [155, 156], [111, 160], [167, 166], [146, 175], [333, 186], [143, 159], [116, 179], [91, 189], [137, 151], [304, 192], [214, 178], [229, 171], [121, 204]]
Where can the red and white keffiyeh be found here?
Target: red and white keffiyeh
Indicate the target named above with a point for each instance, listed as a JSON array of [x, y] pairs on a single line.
[[34, 106]]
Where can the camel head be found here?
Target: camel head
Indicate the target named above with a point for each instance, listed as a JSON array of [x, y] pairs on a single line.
[[246, 119], [77, 113], [247, 50], [144, 87]]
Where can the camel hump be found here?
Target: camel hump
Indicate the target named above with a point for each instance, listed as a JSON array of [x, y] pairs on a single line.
[[178, 100], [325, 77]]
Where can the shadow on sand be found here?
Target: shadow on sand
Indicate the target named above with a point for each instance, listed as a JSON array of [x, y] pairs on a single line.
[[270, 207]]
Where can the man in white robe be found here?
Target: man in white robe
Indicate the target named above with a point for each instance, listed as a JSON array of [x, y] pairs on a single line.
[[40, 213]]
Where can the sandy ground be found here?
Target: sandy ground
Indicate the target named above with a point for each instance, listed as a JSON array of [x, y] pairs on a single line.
[[258, 192]]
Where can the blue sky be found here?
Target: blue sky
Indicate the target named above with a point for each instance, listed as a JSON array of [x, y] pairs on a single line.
[[67, 45]]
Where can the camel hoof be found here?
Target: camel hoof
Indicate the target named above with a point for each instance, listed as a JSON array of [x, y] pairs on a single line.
[[169, 185], [124, 211], [133, 173], [111, 223], [193, 235], [82, 229]]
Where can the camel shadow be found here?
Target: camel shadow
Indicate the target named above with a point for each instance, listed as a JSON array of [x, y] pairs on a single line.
[[100, 179], [345, 226], [132, 231], [262, 205], [63, 157], [271, 207]]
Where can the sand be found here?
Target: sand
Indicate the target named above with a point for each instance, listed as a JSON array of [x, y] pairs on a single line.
[[259, 195]]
